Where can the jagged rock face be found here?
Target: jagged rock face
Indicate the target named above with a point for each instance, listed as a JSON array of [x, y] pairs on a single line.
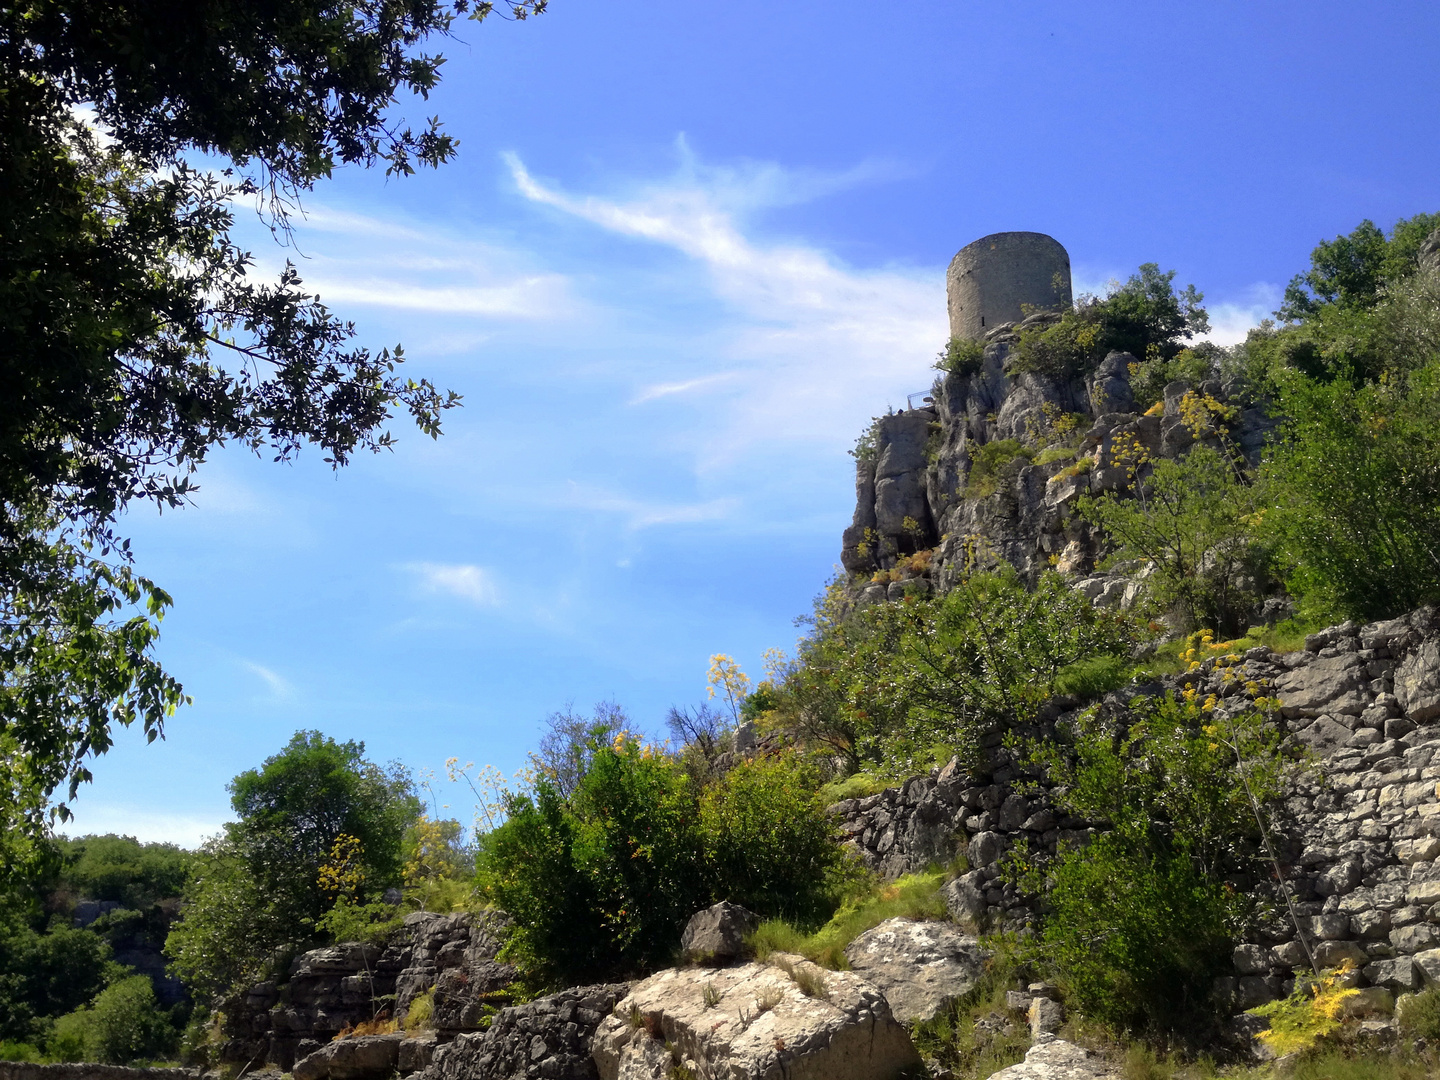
[[546, 1038], [914, 491], [919, 966], [754, 1022], [1361, 830], [329, 989]]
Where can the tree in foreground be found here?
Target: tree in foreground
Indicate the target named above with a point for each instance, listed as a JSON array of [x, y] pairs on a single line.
[[134, 336]]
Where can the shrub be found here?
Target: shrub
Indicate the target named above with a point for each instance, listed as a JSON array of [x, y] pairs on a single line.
[[603, 883], [768, 842], [421, 1014], [1418, 1015], [123, 1024], [1356, 492], [1195, 521], [987, 461], [599, 884], [1055, 453], [1140, 920], [904, 686], [961, 356], [913, 896], [1144, 317], [1309, 1014]]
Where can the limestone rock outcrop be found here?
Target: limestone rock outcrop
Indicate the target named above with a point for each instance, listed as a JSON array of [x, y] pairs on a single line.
[[545, 1039], [367, 1057], [1056, 1059], [920, 488], [918, 965], [784, 1019]]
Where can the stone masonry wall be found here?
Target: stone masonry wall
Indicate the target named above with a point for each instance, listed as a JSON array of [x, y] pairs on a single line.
[[326, 990], [1362, 842]]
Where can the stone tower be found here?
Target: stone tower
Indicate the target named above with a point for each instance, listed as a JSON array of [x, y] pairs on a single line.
[[989, 280]]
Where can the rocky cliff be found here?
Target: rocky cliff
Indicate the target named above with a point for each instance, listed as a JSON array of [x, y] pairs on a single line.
[[925, 483]]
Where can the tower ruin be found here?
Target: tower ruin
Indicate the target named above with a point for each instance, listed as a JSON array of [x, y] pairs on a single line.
[[989, 280]]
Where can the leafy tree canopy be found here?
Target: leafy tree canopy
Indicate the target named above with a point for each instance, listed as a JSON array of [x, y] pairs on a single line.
[[1352, 271], [134, 337], [317, 821]]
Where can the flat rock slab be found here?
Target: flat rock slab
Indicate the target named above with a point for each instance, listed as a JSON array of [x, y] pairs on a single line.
[[918, 966], [784, 1020], [362, 1057], [1056, 1059]]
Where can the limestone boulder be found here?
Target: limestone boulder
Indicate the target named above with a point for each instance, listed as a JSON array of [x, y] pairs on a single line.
[[784, 1019], [718, 932], [1056, 1059], [1330, 684], [363, 1057], [1417, 683], [918, 966]]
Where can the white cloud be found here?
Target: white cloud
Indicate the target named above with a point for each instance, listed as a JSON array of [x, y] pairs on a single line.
[[407, 267], [663, 390], [280, 688], [812, 346], [463, 580], [643, 514], [1231, 320]]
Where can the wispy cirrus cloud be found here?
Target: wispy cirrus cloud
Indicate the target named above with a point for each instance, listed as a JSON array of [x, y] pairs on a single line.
[[422, 268], [810, 345], [279, 687], [464, 581]]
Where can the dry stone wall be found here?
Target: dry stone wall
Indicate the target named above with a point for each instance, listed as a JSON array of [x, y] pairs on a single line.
[[326, 990], [1362, 820]]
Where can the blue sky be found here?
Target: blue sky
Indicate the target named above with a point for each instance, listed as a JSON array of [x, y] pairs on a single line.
[[686, 252]]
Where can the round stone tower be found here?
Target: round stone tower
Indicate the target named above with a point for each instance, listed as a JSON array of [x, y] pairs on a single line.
[[989, 280]]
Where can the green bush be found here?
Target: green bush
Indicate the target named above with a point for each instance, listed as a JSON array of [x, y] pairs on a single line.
[[1196, 522], [1418, 1015], [46, 975], [987, 461], [123, 1024], [1144, 317], [602, 884], [1093, 676], [961, 356], [1355, 487], [19, 1051], [900, 687], [1140, 921]]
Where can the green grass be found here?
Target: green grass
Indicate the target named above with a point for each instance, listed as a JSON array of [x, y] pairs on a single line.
[[976, 1035], [854, 787], [1094, 676], [914, 896], [1055, 453]]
